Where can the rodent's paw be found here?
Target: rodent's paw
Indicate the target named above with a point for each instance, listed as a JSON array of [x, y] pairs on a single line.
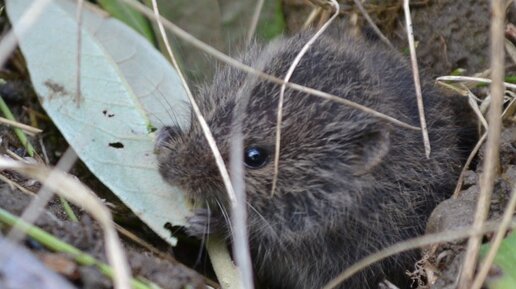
[[204, 222]]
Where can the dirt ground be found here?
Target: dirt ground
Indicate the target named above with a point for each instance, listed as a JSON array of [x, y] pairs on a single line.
[[444, 45]]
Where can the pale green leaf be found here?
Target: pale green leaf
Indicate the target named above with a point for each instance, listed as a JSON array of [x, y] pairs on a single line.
[[127, 88]]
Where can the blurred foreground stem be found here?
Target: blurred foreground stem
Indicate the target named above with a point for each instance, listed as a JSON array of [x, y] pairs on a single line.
[[57, 245]]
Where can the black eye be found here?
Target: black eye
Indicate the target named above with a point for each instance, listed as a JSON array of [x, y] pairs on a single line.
[[255, 157]]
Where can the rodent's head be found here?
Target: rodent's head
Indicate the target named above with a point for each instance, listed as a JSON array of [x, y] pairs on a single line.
[[324, 145]]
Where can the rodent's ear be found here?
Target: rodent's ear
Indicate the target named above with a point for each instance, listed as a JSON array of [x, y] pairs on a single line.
[[371, 148]]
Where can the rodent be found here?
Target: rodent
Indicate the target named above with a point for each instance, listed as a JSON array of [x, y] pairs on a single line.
[[349, 184]]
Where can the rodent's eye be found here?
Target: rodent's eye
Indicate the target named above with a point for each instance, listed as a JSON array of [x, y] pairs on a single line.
[[255, 157]]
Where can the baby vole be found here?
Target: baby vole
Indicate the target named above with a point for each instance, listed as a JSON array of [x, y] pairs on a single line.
[[349, 184]]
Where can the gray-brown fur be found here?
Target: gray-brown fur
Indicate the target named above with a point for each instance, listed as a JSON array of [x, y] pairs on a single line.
[[349, 184]]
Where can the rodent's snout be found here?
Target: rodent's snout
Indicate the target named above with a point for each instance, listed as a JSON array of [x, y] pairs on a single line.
[[165, 136]]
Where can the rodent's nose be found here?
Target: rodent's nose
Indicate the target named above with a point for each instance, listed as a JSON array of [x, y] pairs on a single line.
[[166, 135]]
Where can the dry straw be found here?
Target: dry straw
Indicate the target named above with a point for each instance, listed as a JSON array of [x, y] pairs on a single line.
[[73, 190], [290, 71], [185, 36], [239, 231], [490, 165]]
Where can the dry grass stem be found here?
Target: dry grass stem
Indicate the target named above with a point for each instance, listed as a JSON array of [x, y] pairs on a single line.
[[372, 24], [238, 216], [490, 166], [79, 194], [454, 88], [43, 151], [511, 108], [130, 235], [30, 130], [316, 11], [511, 50], [422, 241], [204, 125], [293, 65], [417, 83], [495, 244], [235, 63], [254, 21], [466, 165], [13, 185], [473, 79], [37, 205], [472, 100], [243, 254], [13, 155]]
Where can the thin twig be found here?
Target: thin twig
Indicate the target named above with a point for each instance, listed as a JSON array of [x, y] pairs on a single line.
[[30, 130], [493, 139], [466, 165], [417, 83], [477, 146], [473, 103], [14, 184], [43, 150], [290, 71], [459, 91], [34, 209], [53, 243], [75, 191], [130, 235], [472, 100], [418, 242], [237, 64], [254, 21], [206, 130], [241, 248], [316, 11], [66, 206], [239, 209], [246, 279], [473, 79], [13, 155], [372, 24]]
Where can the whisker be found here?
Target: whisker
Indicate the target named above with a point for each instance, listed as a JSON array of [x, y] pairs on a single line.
[[265, 223], [261, 216], [165, 99], [204, 237], [226, 217]]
